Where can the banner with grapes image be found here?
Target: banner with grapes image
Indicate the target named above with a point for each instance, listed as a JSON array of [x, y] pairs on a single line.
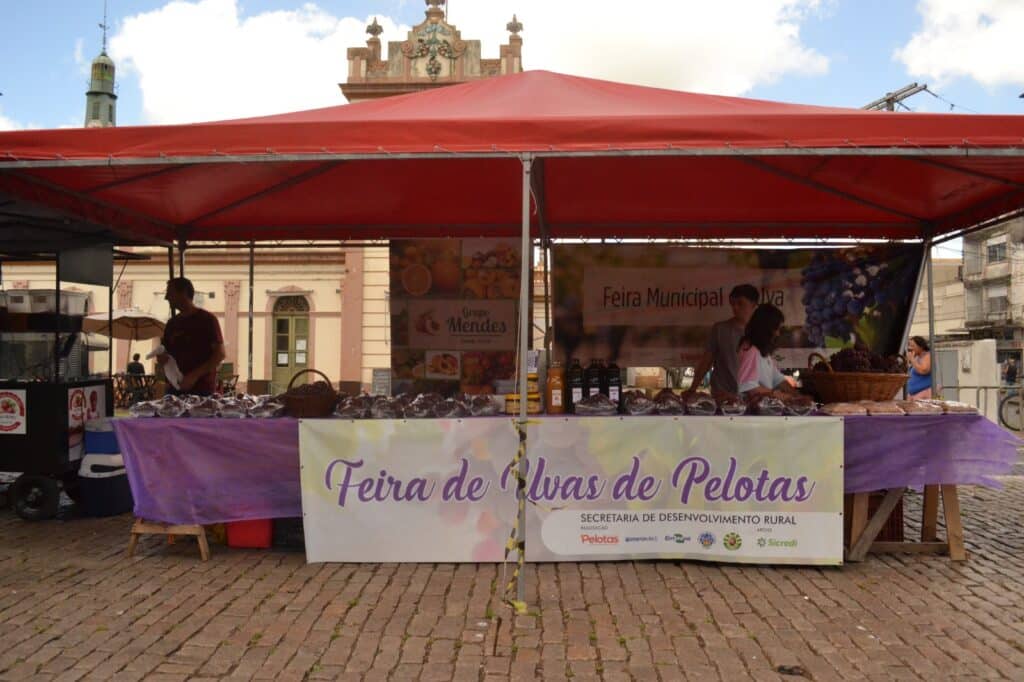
[[654, 304]]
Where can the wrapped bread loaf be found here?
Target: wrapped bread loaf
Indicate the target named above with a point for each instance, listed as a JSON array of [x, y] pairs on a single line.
[[797, 404], [732, 405], [956, 407], [700, 404], [883, 407], [844, 409], [919, 407], [635, 403]]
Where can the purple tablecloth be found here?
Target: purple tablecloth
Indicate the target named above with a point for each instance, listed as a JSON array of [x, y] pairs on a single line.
[[218, 470], [212, 470], [897, 452]]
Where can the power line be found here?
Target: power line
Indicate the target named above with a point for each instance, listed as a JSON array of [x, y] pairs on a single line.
[[952, 105]]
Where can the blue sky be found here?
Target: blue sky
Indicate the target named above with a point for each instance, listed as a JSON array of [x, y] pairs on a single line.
[[835, 52]]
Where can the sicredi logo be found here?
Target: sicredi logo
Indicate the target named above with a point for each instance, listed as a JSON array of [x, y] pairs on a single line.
[[599, 539]]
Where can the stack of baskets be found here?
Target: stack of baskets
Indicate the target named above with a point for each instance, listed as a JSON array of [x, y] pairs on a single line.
[[309, 401], [843, 387]]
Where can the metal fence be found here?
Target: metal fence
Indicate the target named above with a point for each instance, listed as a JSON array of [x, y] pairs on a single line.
[[1005, 398]]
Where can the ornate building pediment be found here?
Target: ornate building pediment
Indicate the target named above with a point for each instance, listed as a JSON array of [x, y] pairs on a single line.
[[432, 55]]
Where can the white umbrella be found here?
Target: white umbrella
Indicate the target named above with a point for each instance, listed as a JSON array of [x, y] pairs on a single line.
[[128, 323]]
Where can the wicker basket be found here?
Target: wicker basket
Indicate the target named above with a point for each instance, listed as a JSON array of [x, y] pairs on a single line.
[[309, 405], [845, 387]]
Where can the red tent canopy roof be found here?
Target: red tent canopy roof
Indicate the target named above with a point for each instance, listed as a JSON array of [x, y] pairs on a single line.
[[619, 160]]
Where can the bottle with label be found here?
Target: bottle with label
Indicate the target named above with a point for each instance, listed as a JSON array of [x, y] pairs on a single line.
[[592, 378], [613, 380], [556, 389], [574, 379]]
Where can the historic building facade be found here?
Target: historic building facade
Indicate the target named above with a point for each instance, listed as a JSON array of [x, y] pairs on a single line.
[[322, 308]]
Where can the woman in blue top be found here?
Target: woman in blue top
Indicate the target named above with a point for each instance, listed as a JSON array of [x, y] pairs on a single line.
[[919, 387]]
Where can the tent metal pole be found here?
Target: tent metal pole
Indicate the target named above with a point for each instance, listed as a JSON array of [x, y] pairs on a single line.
[[181, 258], [170, 273], [931, 315], [252, 284], [524, 332], [110, 330], [60, 321], [913, 301]]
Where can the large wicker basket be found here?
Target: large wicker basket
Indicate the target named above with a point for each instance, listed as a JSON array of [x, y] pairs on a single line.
[[309, 405], [844, 387]]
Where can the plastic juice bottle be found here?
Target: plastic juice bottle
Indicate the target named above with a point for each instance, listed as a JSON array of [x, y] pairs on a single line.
[[556, 389], [575, 382]]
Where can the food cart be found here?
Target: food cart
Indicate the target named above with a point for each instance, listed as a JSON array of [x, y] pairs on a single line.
[[541, 157], [48, 392]]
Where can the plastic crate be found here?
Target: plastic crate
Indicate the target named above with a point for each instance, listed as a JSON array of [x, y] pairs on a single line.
[[250, 534]]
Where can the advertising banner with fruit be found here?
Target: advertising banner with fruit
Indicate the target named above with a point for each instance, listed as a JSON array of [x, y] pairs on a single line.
[[749, 490], [453, 307], [13, 412], [655, 304]]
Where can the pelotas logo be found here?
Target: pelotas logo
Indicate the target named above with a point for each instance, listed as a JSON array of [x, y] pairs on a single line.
[[706, 540], [599, 539], [732, 541]]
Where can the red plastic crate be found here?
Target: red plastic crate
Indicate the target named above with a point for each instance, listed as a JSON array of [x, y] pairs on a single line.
[[250, 534]]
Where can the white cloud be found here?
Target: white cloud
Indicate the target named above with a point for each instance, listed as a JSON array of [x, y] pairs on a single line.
[[201, 61], [978, 40], [8, 123], [723, 47], [80, 51]]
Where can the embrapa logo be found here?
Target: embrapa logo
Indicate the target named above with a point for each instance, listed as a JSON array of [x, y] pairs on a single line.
[[599, 539]]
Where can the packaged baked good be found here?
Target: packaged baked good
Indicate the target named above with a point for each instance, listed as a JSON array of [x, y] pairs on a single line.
[[768, 406], [450, 408], [143, 409], [597, 405], [387, 408], [267, 410], [483, 406], [204, 409], [956, 407], [233, 409], [883, 407], [919, 407], [700, 404], [797, 404], [170, 407], [424, 406], [732, 405], [844, 409], [636, 403], [666, 402]]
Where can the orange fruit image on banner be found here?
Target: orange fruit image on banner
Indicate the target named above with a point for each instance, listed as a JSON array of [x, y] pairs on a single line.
[[416, 280]]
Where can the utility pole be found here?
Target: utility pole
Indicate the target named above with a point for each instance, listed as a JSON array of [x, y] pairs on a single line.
[[891, 99]]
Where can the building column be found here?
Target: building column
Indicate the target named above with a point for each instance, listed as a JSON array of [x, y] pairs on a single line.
[[351, 318], [122, 346], [232, 289]]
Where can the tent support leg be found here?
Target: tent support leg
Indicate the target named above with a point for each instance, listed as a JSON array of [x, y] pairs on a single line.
[[181, 257], [931, 315], [525, 328], [252, 271]]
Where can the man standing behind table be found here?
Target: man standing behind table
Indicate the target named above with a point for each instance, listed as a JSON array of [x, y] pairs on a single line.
[[193, 339], [724, 342]]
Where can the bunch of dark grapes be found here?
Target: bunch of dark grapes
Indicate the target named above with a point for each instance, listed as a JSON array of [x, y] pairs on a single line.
[[839, 286], [860, 360]]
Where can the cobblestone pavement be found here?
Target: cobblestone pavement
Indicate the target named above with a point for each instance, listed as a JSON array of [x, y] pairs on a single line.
[[73, 607]]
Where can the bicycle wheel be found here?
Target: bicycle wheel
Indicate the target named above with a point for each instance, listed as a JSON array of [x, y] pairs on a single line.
[[1011, 415]]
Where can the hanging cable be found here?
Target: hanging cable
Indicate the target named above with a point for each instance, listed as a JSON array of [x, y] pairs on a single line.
[[952, 105]]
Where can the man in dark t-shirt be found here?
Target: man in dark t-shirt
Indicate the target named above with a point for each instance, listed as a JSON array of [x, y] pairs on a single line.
[[136, 367], [193, 339]]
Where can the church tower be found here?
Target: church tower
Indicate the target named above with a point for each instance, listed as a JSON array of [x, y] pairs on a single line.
[[100, 100]]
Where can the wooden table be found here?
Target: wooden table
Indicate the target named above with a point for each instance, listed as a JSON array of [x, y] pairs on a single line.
[[864, 530]]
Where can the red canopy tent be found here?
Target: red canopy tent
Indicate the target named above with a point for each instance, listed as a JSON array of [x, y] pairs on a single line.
[[615, 160], [602, 159]]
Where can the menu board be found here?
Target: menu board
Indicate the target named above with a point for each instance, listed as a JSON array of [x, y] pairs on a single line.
[[454, 311]]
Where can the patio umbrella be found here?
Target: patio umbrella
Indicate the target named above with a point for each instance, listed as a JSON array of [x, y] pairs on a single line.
[[127, 323]]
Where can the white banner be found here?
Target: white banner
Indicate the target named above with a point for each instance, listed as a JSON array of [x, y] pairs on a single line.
[[746, 489]]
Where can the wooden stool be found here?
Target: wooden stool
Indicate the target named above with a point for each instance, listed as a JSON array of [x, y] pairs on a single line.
[[864, 530], [143, 527]]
